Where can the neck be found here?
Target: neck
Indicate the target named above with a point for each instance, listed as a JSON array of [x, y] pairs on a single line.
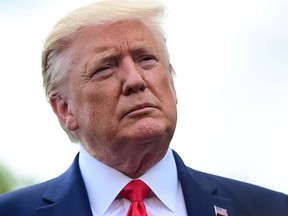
[[135, 162], [135, 166]]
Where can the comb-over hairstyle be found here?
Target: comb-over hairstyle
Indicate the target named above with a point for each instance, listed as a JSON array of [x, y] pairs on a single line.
[[56, 62]]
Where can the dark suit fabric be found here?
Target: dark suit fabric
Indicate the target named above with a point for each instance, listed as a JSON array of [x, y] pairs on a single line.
[[66, 195]]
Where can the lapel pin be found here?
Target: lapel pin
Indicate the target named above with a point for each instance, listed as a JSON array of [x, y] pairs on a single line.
[[220, 211]]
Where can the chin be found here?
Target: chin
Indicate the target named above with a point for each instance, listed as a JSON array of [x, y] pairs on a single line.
[[149, 132]]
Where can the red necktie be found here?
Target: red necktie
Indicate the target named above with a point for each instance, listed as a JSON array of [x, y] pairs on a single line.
[[136, 191]]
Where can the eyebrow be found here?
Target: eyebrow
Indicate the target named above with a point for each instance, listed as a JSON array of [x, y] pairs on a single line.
[[103, 54], [142, 47], [107, 53]]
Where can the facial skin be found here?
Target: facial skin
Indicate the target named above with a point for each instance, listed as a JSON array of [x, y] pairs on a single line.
[[119, 98]]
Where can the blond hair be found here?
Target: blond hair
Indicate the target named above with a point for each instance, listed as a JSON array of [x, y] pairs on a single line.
[[56, 63]]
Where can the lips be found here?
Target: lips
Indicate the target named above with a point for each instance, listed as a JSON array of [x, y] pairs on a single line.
[[138, 108]]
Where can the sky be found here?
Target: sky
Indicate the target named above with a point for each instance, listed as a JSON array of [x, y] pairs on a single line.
[[232, 87]]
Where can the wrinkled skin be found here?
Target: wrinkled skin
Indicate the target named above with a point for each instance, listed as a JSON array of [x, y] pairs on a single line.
[[119, 98]]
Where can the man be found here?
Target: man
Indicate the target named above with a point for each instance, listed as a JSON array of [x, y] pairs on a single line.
[[108, 78]]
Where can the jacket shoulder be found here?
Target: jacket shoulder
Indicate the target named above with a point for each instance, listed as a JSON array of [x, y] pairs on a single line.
[[22, 201], [245, 196], [25, 201], [247, 199]]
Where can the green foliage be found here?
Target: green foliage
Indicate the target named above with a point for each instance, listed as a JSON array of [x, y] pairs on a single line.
[[9, 182]]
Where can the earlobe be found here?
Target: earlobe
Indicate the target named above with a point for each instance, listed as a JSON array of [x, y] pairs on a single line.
[[62, 111]]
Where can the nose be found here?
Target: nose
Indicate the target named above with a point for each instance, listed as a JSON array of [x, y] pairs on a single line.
[[132, 77]]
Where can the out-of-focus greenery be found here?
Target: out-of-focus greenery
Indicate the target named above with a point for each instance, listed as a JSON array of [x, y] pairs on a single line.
[[9, 182]]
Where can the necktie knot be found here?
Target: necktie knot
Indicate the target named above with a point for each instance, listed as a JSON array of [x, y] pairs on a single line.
[[136, 191]]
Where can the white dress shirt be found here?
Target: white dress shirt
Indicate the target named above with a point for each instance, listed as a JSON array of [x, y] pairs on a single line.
[[103, 184]]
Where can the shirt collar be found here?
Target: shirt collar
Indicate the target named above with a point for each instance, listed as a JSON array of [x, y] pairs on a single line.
[[98, 178], [161, 176]]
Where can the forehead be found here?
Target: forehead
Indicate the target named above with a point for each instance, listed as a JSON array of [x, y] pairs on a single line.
[[121, 35]]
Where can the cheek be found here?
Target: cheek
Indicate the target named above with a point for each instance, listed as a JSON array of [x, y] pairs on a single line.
[[163, 89], [97, 107], [173, 90], [166, 94]]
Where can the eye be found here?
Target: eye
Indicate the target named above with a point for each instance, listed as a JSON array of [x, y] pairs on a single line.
[[147, 62], [103, 71], [148, 58]]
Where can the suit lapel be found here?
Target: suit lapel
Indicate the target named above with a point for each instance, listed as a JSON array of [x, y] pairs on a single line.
[[66, 195], [199, 195]]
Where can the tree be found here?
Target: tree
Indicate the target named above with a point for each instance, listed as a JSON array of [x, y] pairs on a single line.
[[9, 182]]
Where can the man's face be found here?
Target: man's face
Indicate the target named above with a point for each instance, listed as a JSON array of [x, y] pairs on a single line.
[[120, 96]]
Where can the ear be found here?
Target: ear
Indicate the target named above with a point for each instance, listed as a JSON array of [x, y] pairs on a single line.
[[61, 109]]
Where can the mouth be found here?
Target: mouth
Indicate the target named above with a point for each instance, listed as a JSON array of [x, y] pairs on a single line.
[[140, 109]]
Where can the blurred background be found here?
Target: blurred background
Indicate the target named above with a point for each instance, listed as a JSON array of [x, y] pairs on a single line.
[[232, 84]]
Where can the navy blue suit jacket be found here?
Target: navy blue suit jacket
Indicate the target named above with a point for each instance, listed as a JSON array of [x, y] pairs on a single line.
[[66, 196]]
